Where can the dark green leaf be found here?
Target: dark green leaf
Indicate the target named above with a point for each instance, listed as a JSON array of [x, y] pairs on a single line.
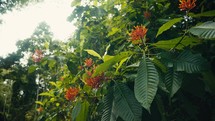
[[146, 83], [189, 62], [76, 110], [83, 115], [127, 107], [109, 111], [205, 30], [173, 81]]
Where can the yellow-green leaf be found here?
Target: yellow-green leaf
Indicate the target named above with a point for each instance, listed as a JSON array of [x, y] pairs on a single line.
[[106, 65], [168, 25], [39, 102], [46, 94], [93, 53], [31, 69]]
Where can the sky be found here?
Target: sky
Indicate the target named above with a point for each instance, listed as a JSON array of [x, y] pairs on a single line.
[[20, 24]]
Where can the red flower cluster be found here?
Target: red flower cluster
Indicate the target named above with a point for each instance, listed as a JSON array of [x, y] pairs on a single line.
[[71, 93], [147, 15], [37, 56], [138, 34], [40, 109], [88, 62], [187, 4], [94, 82]]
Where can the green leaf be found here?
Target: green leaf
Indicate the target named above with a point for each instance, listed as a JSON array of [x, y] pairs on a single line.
[[109, 111], [205, 30], [83, 115], [52, 63], [39, 102], [46, 94], [168, 25], [120, 64], [72, 66], [106, 65], [159, 64], [76, 3], [76, 110], [127, 107], [53, 83], [204, 14], [209, 80], [146, 83], [113, 31], [190, 63], [93, 53], [31, 69], [169, 44], [173, 81]]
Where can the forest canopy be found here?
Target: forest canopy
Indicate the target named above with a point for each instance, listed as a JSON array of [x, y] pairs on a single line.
[[128, 60]]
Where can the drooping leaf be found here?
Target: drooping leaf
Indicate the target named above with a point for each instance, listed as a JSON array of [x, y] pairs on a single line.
[[205, 30], [169, 44], [173, 81], [127, 107], [76, 110], [46, 94], [204, 14], [83, 115], [93, 53], [106, 65], [190, 63], [168, 25], [39, 102], [146, 83], [109, 111]]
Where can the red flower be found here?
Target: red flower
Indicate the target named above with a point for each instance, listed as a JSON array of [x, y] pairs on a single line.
[[40, 109], [187, 4], [88, 62], [71, 93], [138, 34], [147, 15], [37, 56], [95, 82]]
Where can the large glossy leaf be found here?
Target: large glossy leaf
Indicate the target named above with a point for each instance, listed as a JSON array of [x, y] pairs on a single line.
[[109, 111], [107, 64], [76, 110], [173, 81], [127, 107], [168, 25], [205, 30], [189, 62], [146, 83], [83, 115], [169, 44]]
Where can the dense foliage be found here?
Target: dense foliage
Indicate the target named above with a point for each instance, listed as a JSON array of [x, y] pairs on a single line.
[[129, 60]]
